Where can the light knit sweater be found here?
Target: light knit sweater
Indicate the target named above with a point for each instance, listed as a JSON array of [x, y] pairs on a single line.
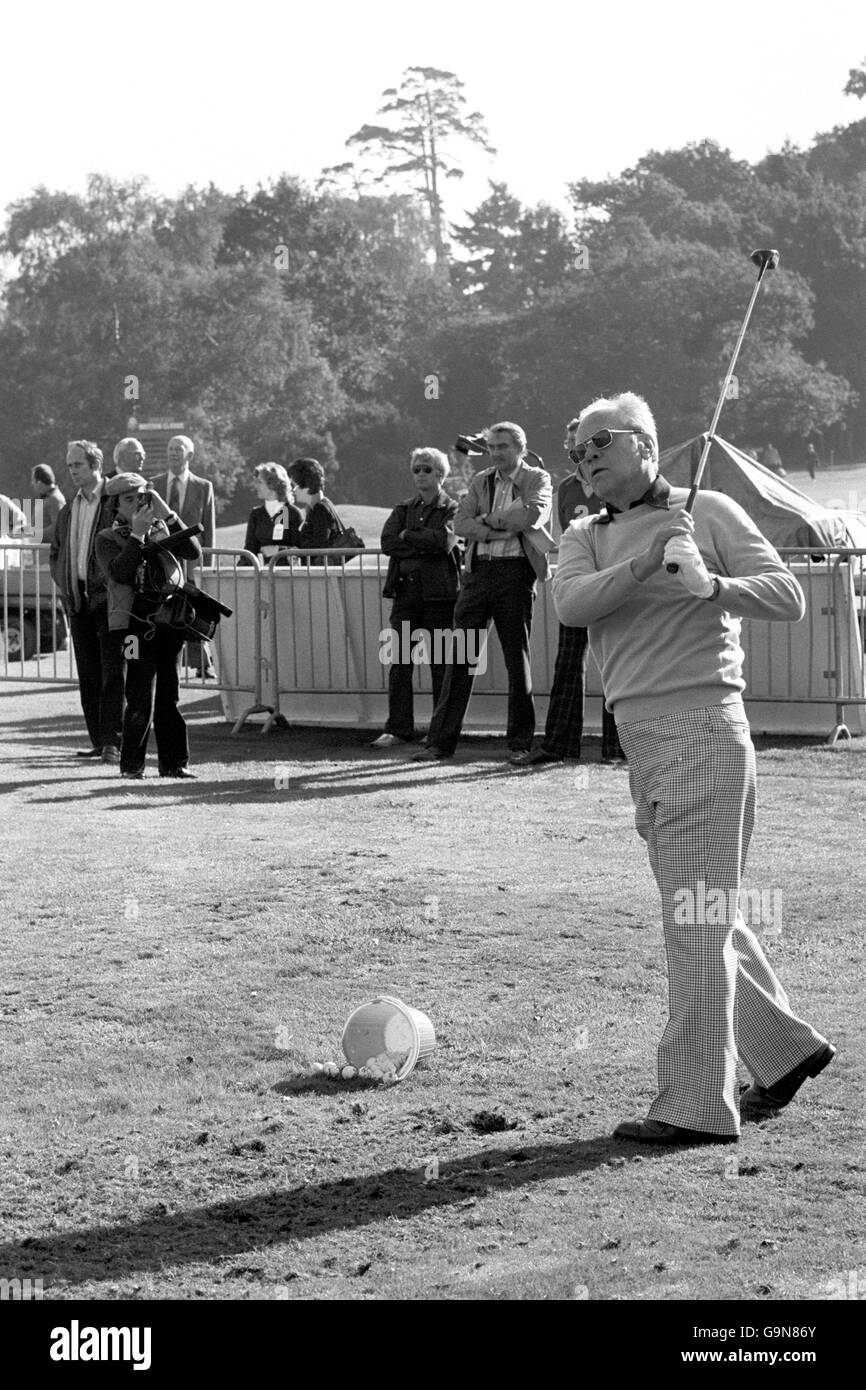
[[659, 648]]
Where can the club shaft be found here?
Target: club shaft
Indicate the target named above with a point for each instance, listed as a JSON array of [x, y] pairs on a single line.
[[711, 434], [708, 441]]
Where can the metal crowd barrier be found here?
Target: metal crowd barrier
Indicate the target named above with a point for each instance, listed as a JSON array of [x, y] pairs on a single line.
[[321, 607], [324, 628], [36, 645], [829, 643], [236, 648], [311, 633]]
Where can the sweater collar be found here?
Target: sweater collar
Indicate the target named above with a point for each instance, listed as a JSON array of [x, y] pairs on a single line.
[[658, 494]]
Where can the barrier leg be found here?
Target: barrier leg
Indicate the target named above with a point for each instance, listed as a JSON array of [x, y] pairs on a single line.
[[841, 730], [253, 709]]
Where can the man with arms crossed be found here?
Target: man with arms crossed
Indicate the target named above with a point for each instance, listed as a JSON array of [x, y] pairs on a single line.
[[670, 658], [503, 516]]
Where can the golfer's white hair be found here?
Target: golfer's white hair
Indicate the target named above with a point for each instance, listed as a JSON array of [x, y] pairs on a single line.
[[122, 443], [633, 411], [184, 439], [435, 457], [508, 427]]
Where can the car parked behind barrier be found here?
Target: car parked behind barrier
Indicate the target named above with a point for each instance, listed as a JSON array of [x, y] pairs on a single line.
[[32, 620]]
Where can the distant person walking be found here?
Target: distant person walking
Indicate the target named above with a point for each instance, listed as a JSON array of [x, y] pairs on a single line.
[[773, 460], [811, 460]]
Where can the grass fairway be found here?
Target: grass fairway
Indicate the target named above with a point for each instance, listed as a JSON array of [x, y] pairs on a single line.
[[176, 954]]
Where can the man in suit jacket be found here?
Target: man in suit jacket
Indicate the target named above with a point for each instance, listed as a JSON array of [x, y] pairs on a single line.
[[503, 516], [190, 498], [81, 584]]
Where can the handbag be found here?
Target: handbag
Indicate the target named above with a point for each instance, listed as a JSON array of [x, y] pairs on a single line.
[[346, 538]]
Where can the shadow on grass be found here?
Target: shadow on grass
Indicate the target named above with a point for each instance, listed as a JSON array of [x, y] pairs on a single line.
[[311, 787], [226, 1229]]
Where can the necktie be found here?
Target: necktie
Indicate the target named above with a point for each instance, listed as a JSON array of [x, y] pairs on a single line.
[[174, 495]]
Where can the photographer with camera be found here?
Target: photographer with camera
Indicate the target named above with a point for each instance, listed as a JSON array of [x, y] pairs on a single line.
[[137, 578]]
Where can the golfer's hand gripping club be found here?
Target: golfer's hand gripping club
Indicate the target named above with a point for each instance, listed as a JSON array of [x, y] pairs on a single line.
[[765, 260], [683, 556]]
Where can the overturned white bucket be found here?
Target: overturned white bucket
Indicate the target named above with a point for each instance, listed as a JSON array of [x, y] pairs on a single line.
[[387, 1024]]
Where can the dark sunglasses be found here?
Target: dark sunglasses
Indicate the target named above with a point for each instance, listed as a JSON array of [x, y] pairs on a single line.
[[422, 468], [602, 439]]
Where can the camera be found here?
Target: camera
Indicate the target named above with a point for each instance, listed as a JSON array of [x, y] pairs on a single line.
[[471, 444], [144, 498], [475, 444]]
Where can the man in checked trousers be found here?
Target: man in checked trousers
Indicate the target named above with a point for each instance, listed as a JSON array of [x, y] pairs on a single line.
[[668, 649]]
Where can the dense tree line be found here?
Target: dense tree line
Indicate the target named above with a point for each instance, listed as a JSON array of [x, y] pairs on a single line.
[[340, 321]]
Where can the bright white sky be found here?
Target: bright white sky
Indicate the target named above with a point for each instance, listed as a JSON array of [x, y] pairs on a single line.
[[187, 92]]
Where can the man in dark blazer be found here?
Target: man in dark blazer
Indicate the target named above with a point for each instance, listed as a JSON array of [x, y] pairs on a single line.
[[191, 499], [189, 496], [81, 585], [503, 516]]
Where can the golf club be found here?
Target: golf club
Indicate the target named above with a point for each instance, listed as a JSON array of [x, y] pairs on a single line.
[[765, 260]]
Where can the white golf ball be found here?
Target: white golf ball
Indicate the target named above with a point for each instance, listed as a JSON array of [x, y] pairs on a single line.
[[348, 1073], [317, 1066], [331, 1069]]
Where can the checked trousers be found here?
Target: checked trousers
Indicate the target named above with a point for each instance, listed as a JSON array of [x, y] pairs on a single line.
[[692, 776], [563, 727]]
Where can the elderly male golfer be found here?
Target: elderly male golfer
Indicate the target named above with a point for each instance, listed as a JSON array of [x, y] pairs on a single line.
[[668, 648]]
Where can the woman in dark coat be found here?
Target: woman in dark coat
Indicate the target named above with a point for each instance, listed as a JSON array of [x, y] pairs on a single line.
[[423, 580], [322, 523], [275, 524]]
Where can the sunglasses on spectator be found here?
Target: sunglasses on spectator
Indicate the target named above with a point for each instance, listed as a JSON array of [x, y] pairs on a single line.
[[422, 468], [602, 439]]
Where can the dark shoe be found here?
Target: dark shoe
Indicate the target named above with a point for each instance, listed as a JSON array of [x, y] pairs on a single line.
[[89, 753], [757, 1102], [536, 758], [657, 1132], [182, 772], [111, 753], [430, 755], [135, 774]]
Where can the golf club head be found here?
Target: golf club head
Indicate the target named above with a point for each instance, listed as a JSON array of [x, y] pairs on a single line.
[[765, 259]]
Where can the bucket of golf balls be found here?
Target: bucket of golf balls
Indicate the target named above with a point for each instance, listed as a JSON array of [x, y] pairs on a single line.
[[386, 1039]]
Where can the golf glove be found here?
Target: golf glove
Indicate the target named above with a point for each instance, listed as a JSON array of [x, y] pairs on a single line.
[[692, 572]]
